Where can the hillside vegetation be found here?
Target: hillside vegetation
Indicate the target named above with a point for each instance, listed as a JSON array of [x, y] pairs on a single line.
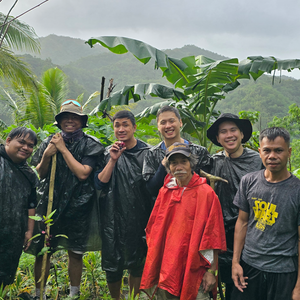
[[85, 67]]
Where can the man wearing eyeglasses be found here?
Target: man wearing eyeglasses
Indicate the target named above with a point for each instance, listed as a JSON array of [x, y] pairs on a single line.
[[74, 193], [18, 185]]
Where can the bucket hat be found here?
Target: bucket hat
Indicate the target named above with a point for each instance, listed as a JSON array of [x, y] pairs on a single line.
[[243, 124], [74, 107]]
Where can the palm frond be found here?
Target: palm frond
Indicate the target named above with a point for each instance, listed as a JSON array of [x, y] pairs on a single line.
[[20, 36], [14, 69]]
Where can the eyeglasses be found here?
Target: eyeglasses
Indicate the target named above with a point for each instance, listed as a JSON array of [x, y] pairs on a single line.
[[71, 101]]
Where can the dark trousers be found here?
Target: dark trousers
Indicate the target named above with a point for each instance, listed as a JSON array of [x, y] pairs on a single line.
[[265, 285]]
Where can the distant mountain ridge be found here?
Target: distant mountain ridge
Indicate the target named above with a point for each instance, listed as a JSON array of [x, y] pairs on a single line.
[[85, 67], [62, 50]]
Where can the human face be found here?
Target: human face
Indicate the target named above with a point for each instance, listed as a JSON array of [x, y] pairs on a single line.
[[275, 154], [124, 130], [230, 137], [70, 122], [180, 168], [19, 148], [169, 125]]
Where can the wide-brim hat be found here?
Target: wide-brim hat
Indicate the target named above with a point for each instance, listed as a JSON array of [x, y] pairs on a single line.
[[243, 124], [178, 148], [74, 107]]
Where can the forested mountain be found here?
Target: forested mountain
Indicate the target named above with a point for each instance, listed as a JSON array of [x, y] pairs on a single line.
[[85, 67], [270, 100]]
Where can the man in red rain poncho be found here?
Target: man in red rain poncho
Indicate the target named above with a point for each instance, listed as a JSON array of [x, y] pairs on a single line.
[[184, 234]]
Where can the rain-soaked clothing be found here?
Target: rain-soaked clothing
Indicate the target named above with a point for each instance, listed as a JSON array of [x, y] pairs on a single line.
[[152, 164], [185, 221], [73, 200], [231, 169], [125, 208], [18, 185]]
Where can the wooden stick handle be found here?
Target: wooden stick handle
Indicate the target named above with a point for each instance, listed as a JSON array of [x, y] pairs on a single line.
[[49, 210]]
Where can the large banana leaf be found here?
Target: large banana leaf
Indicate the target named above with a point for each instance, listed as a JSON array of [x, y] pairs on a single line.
[[203, 81], [175, 70], [137, 92], [258, 65]]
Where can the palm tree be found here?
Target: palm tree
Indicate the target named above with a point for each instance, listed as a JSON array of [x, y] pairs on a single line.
[[38, 105], [16, 35]]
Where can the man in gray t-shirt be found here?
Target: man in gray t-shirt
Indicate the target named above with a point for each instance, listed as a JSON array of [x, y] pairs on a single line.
[[266, 240]]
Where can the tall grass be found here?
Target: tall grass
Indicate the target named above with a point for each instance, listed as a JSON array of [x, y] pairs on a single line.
[[93, 281]]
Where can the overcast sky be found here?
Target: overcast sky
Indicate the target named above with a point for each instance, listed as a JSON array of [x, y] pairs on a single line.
[[233, 28]]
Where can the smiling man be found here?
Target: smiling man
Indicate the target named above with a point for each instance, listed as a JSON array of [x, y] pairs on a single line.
[[266, 259], [74, 192], [235, 161], [169, 124], [18, 185], [184, 234], [125, 206]]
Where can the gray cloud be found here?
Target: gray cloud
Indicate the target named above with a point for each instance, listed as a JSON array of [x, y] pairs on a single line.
[[232, 28]]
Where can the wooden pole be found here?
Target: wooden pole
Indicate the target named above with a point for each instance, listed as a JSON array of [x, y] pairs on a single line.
[[102, 88], [47, 234]]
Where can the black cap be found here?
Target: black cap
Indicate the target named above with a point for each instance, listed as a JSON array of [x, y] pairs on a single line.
[[178, 148]]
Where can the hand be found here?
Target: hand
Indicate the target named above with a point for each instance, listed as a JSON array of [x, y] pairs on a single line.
[[58, 141], [50, 150], [28, 236], [296, 293], [116, 150], [163, 162], [238, 277], [208, 282]]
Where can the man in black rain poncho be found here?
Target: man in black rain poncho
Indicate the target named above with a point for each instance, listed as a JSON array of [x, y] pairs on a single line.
[[74, 192], [230, 132], [17, 199], [125, 206], [169, 124]]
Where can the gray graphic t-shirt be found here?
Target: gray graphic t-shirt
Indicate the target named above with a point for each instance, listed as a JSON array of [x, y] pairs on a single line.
[[271, 241]]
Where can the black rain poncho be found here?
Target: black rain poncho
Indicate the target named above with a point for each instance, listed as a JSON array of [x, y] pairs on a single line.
[[125, 210], [231, 169], [156, 154], [73, 200], [17, 182]]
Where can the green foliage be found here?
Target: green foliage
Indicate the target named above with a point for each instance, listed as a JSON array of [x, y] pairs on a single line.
[[202, 80], [85, 67], [102, 129], [295, 156], [252, 116], [93, 281], [16, 35], [291, 123], [262, 96]]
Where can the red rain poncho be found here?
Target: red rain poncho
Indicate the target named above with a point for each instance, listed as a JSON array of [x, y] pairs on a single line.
[[183, 222]]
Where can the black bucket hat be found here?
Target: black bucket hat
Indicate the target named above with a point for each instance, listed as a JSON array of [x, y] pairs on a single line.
[[74, 107], [243, 124]]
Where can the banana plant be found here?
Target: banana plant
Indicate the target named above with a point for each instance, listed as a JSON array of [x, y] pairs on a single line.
[[199, 83]]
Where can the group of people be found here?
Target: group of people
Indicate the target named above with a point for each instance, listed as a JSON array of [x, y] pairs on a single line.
[[158, 218]]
